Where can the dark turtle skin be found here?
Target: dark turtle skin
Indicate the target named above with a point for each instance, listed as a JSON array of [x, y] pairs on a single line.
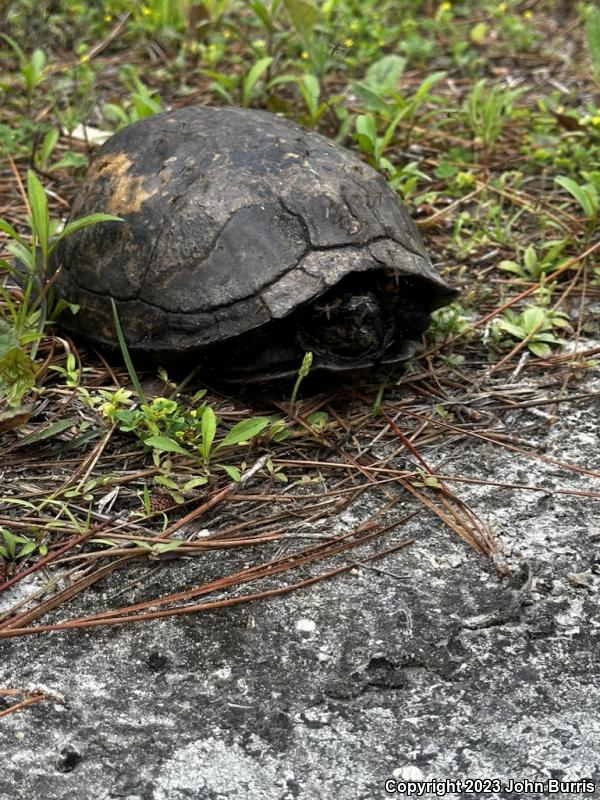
[[246, 242]]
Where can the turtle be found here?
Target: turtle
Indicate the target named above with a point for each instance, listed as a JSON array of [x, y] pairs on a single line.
[[246, 241]]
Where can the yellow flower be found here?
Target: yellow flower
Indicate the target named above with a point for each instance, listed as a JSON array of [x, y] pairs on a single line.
[[304, 55], [502, 8], [107, 17], [528, 15], [348, 42], [595, 121], [145, 11], [84, 58], [226, 34], [443, 8]]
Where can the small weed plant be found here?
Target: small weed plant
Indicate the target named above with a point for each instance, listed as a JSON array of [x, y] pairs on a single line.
[[166, 426], [487, 110], [24, 320], [533, 325]]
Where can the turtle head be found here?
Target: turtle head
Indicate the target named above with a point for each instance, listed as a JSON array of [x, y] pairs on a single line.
[[354, 321], [346, 325], [355, 325]]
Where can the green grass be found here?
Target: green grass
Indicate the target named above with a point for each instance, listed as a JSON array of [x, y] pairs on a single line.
[[382, 77]]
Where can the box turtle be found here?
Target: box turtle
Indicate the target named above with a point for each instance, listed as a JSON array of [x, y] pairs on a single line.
[[246, 242]]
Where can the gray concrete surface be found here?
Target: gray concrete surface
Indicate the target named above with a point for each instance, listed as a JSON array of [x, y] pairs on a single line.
[[435, 670]]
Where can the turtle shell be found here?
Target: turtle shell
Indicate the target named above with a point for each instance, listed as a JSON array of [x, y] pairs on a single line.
[[234, 221]]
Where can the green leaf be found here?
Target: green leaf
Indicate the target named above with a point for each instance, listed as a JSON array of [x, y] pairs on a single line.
[[114, 113], [539, 349], [262, 13], [20, 53], [146, 499], [11, 543], [391, 129], [8, 229], [530, 260], [371, 100], [38, 61], [311, 82], [303, 15], [245, 430], [311, 92], [385, 73], [553, 249], [233, 472], [510, 266], [8, 338], [62, 305], [318, 420], [253, 76], [592, 38], [107, 542], [84, 222], [560, 322], [69, 160], [478, 32], [511, 328], [24, 256], [145, 106], [427, 84], [165, 547], [364, 143], [208, 427], [143, 545], [51, 430], [533, 318], [584, 199], [445, 170], [194, 483], [162, 480], [39, 213], [17, 375], [165, 445], [280, 431], [48, 144], [27, 548], [125, 353], [366, 126], [546, 337], [222, 92], [281, 79], [307, 361]]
